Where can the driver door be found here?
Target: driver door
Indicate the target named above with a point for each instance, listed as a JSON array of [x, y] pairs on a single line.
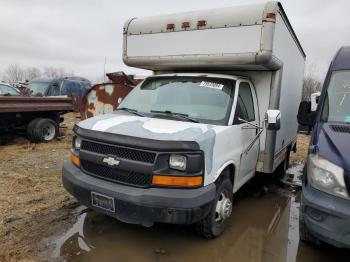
[[247, 111]]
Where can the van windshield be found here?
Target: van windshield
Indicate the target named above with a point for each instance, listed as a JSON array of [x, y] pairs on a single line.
[[207, 100], [38, 88], [337, 102]]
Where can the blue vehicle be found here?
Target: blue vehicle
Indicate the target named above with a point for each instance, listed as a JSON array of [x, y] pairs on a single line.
[[59, 86], [325, 202]]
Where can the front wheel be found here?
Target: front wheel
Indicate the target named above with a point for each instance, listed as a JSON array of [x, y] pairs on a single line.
[[215, 223], [304, 233]]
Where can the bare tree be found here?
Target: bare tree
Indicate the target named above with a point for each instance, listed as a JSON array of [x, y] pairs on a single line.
[[311, 83], [310, 86], [14, 73], [31, 73], [56, 72]]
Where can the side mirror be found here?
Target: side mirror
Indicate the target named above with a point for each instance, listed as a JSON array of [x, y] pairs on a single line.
[[273, 119], [305, 116]]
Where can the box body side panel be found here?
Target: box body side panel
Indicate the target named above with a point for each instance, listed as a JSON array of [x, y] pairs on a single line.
[[287, 50]]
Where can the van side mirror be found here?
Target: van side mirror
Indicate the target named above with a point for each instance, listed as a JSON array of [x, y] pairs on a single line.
[[273, 119], [305, 116]]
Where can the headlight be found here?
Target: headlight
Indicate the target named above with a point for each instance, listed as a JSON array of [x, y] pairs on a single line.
[[326, 176], [178, 162], [76, 143]]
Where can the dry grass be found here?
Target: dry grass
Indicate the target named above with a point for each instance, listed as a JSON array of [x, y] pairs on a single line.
[[302, 149], [31, 189]]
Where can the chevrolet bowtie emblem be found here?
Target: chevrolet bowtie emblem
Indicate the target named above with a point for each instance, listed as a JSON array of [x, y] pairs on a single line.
[[111, 161]]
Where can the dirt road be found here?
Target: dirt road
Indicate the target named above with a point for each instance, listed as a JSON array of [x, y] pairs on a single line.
[[39, 221]]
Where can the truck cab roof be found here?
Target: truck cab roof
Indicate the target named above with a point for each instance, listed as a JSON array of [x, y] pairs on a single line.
[[232, 77]]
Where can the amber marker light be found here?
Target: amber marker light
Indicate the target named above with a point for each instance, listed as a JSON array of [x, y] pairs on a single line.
[[75, 159], [170, 26], [185, 25], [194, 181], [201, 23]]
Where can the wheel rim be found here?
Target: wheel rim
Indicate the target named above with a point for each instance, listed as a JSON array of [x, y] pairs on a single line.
[[49, 132], [223, 208]]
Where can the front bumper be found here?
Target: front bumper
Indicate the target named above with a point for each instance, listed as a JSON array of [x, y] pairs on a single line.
[[327, 217], [141, 205]]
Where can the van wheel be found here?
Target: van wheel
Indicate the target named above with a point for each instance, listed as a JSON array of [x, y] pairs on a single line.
[[214, 224], [44, 130], [304, 234]]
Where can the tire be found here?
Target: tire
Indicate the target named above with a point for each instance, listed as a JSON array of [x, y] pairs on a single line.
[[30, 128], [214, 224], [282, 168], [304, 233], [44, 130]]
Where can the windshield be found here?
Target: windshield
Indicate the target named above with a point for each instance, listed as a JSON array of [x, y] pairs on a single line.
[[337, 102], [207, 100], [8, 90], [38, 88]]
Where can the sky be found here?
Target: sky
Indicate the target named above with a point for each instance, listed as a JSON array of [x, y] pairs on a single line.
[[80, 35]]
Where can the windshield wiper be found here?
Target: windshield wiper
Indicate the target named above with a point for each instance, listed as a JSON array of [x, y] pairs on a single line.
[[132, 111], [180, 115]]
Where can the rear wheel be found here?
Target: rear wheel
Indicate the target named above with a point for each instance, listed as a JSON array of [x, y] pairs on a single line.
[[31, 127], [44, 130], [214, 224], [283, 167]]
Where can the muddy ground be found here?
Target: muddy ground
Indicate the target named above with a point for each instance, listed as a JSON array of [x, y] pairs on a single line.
[[39, 221]]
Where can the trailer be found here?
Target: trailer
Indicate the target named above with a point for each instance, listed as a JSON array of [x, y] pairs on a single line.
[[221, 105], [37, 117], [104, 98]]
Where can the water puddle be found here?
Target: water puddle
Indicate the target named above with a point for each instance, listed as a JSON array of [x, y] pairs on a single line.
[[264, 227]]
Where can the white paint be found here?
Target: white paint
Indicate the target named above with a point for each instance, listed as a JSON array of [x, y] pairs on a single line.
[[92, 97], [168, 126], [103, 125], [109, 89], [245, 39], [287, 51]]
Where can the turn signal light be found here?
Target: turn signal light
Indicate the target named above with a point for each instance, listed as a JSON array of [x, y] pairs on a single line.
[[177, 181], [75, 159]]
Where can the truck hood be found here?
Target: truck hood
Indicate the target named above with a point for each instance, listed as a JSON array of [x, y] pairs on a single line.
[[123, 123], [151, 128], [333, 144]]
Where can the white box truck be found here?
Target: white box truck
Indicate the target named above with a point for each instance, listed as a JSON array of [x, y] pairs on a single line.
[[220, 106]]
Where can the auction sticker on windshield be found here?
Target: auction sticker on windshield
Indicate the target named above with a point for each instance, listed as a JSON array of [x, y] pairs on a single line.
[[211, 85]]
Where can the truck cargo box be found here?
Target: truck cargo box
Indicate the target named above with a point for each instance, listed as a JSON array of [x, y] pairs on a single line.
[[240, 37], [256, 41]]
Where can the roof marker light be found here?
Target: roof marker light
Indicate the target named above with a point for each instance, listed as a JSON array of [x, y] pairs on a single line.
[[170, 26], [201, 23], [185, 25]]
